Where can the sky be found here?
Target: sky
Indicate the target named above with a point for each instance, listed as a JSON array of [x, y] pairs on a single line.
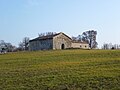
[[27, 18]]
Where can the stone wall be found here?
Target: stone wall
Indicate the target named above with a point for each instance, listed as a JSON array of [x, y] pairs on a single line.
[[41, 44], [61, 41], [80, 45]]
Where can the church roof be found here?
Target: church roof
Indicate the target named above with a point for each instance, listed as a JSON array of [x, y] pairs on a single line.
[[48, 37]]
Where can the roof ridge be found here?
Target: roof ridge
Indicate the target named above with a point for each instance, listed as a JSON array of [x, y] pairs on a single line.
[[49, 36]]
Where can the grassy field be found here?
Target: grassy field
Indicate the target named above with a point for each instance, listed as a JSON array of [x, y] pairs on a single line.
[[61, 70]]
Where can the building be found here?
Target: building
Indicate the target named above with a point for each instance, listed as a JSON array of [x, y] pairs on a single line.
[[81, 45], [54, 42]]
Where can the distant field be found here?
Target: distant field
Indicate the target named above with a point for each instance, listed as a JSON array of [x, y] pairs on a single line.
[[61, 70]]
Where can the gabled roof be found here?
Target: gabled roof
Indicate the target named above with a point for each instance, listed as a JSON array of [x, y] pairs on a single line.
[[48, 37], [65, 35]]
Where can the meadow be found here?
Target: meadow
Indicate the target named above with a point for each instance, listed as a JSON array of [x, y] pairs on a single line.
[[60, 70]]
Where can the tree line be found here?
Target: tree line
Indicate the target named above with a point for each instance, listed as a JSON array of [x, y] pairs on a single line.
[[8, 47], [108, 46], [87, 36]]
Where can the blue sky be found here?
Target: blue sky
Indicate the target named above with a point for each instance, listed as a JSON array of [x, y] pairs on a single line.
[[27, 18]]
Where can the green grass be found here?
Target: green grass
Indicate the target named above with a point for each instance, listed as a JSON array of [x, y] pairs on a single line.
[[61, 70]]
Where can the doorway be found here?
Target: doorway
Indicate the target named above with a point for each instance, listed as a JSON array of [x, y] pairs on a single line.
[[62, 46]]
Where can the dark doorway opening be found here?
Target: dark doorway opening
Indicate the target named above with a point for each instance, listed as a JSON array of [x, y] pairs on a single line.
[[62, 46]]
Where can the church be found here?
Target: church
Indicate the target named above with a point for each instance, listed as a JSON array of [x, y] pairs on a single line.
[[55, 42]]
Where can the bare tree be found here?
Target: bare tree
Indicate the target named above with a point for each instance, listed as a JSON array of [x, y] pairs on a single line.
[[79, 38], [46, 34], [41, 34], [50, 33], [24, 45], [90, 37], [8, 47], [2, 46], [74, 38], [105, 46], [110, 46], [21, 46]]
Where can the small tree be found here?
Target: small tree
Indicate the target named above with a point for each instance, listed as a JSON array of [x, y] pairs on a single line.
[[6, 46], [50, 33], [105, 46], [74, 38], [41, 34], [21, 46], [9, 47], [110, 46], [90, 37], [79, 38], [24, 45], [46, 34]]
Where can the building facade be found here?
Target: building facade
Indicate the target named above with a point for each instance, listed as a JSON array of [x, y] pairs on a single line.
[[54, 42], [81, 45]]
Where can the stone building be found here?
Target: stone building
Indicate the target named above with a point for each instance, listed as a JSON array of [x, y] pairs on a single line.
[[81, 45], [55, 41]]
